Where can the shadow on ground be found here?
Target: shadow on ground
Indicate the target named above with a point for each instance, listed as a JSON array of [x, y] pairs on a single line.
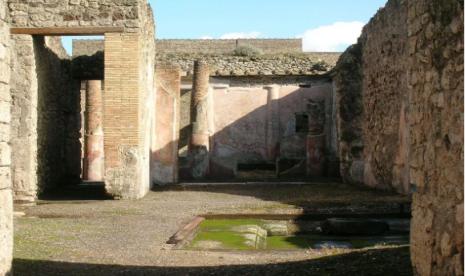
[[84, 191], [391, 261]]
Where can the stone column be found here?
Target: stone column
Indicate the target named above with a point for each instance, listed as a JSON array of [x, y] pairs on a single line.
[[199, 145], [316, 138], [272, 126], [94, 153]]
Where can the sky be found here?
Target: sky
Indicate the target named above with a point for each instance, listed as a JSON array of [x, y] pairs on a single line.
[[324, 25]]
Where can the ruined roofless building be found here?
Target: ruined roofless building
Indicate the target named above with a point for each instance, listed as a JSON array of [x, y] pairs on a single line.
[[240, 114], [393, 110]]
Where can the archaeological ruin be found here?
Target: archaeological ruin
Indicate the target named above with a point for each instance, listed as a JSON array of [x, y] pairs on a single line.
[[130, 114]]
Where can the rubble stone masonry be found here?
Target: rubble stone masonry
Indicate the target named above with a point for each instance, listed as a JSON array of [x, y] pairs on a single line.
[[400, 102], [6, 201], [45, 117], [371, 81], [385, 98], [435, 30], [76, 13], [227, 46]]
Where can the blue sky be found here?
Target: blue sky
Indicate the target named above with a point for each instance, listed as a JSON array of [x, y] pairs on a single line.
[[325, 25]]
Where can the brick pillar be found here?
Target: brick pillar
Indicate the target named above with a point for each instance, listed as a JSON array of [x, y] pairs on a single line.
[[272, 127], [123, 156], [316, 139], [164, 159], [199, 145], [94, 155]]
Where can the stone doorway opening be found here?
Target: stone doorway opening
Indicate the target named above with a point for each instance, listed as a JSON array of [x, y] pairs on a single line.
[[57, 120]]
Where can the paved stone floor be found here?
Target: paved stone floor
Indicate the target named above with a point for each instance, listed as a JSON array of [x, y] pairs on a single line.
[[74, 236]]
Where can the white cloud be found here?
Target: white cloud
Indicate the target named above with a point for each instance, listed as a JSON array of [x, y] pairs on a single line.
[[332, 38], [206, 37], [240, 35]]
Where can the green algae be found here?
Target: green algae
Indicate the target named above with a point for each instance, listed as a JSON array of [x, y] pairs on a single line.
[[227, 224], [228, 240], [225, 234]]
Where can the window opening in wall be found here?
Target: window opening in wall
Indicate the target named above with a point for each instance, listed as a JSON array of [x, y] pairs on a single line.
[[301, 123]]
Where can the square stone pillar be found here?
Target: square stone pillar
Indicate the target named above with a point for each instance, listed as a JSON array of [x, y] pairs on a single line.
[[6, 201], [126, 162], [164, 164]]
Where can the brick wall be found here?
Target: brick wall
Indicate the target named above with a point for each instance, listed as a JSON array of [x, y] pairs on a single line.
[[121, 112], [128, 113], [6, 203], [227, 46], [436, 135]]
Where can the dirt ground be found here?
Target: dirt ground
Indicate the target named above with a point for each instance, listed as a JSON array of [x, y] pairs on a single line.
[[71, 235]]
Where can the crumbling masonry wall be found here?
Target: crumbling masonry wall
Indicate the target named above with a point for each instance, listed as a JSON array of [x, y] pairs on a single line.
[[372, 103], [76, 13], [227, 46], [45, 117], [6, 201], [407, 118], [436, 135], [349, 107], [385, 99]]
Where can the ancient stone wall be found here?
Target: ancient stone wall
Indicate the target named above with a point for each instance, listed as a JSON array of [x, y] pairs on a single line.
[[436, 135], [87, 47], [6, 201], [385, 98], [371, 81], [76, 13], [349, 107], [129, 85], [88, 53], [24, 90], [407, 70], [227, 46], [45, 117]]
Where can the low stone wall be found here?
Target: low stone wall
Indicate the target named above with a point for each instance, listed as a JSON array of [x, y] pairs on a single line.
[[227, 46], [6, 202], [436, 135]]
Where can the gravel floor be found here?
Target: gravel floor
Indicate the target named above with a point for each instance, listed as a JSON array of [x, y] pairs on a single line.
[[106, 237]]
